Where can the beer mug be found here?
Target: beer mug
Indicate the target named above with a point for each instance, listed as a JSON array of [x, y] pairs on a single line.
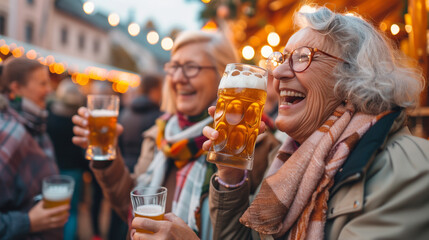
[[241, 97], [149, 202], [103, 114], [57, 190]]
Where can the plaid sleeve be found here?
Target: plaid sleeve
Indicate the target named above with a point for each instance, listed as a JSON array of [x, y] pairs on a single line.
[[13, 225]]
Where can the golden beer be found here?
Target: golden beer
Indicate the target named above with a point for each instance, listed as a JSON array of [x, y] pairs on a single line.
[[56, 195], [102, 134], [239, 108], [152, 211]]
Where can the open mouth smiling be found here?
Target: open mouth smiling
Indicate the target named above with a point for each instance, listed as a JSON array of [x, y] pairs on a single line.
[[290, 97]]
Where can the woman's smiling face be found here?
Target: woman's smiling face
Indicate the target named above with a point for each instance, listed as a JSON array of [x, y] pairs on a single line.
[[193, 95], [306, 99]]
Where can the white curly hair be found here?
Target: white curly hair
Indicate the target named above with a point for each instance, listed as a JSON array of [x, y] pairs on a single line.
[[375, 76]]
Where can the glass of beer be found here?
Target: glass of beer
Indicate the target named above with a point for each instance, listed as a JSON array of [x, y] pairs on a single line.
[[103, 114], [149, 202], [57, 190], [241, 97]]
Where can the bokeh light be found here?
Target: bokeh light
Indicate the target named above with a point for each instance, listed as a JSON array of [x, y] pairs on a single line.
[[133, 29], [408, 28], [88, 7], [307, 9], [167, 43], [152, 37], [248, 52], [394, 29], [113, 19], [273, 39], [266, 51]]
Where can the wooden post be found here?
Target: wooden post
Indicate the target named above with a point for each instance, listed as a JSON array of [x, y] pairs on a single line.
[[418, 40]]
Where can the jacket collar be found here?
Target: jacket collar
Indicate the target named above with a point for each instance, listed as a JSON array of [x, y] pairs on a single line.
[[372, 140]]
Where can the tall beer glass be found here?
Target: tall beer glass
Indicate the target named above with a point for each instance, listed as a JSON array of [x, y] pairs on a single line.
[[57, 190], [241, 97], [149, 202], [103, 114]]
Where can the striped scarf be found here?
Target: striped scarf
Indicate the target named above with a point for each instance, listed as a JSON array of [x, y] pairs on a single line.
[[180, 149], [183, 147], [297, 190]]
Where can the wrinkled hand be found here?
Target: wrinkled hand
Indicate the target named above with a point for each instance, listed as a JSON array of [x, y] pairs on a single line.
[[42, 219], [81, 128], [227, 174], [171, 228]]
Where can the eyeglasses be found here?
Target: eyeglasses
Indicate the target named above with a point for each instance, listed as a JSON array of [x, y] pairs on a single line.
[[299, 59], [189, 69]]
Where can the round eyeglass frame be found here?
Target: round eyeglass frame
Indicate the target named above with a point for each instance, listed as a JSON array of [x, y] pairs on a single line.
[[168, 68], [278, 58]]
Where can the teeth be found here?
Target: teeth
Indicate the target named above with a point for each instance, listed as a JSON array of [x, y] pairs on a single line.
[[285, 93]]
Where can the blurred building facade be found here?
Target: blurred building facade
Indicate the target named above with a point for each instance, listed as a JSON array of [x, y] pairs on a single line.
[[63, 27]]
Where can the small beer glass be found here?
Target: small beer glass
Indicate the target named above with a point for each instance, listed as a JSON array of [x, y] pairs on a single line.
[[241, 97], [57, 190], [103, 114], [149, 202]]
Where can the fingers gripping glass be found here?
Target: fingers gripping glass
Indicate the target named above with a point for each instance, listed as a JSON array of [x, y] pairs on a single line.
[[299, 59], [189, 70]]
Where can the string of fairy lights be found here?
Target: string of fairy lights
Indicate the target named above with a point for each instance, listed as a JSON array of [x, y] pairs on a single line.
[[133, 27]]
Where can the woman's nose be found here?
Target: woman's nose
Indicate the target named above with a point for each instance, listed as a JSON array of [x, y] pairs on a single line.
[[178, 76], [283, 71]]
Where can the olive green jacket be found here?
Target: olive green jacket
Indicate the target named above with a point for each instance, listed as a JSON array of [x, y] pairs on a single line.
[[382, 195]]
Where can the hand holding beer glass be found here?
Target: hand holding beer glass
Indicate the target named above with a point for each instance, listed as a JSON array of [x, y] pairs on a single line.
[[103, 114], [241, 97], [149, 202], [57, 190]]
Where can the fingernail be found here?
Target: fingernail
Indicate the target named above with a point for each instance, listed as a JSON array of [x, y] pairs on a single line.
[[86, 132], [84, 122], [214, 135]]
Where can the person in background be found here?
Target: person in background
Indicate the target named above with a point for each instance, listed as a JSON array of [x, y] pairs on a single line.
[[70, 158], [138, 116], [197, 63], [26, 154]]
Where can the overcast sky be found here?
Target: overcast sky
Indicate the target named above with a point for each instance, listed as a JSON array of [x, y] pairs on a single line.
[[166, 14]]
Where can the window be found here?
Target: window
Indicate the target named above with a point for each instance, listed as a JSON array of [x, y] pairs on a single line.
[[81, 41], [64, 35], [29, 32], [2, 25], [96, 45], [30, 2]]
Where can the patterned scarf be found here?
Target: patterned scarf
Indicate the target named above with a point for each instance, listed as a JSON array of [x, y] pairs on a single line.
[[180, 150], [183, 147], [34, 119], [297, 190]]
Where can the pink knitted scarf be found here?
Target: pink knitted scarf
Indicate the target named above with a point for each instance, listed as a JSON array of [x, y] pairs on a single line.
[[298, 190]]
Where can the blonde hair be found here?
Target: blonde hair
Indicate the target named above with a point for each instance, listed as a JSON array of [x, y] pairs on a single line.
[[217, 46], [375, 76]]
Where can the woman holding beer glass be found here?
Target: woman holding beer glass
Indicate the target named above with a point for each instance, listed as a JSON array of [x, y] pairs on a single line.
[[171, 153], [350, 169], [26, 154]]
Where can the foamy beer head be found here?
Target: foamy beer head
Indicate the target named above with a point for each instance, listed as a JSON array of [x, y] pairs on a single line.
[[103, 114], [57, 190], [149, 202], [55, 196], [241, 98]]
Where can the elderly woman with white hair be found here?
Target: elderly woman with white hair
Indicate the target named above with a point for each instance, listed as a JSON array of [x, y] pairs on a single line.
[[351, 168]]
